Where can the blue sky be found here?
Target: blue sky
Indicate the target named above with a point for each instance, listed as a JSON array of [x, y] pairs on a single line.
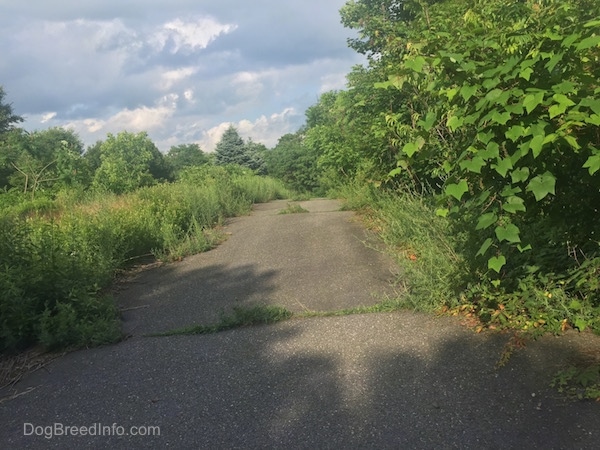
[[182, 70]]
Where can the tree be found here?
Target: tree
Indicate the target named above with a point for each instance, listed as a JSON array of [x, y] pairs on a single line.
[[231, 148], [44, 159], [255, 157], [294, 163], [129, 161], [186, 155], [7, 117]]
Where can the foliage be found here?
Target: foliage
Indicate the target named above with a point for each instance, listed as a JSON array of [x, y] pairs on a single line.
[[581, 383], [492, 112], [231, 149], [129, 161], [57, 255], [240, 317], [186, 155], [295, 163], [293, 208], [43, 160], [7, 117]]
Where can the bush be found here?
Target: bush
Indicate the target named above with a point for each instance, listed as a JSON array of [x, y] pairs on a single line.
[[55, 260]]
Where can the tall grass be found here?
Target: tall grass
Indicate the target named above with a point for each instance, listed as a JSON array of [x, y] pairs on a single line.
[[421, 242], [56, 257]]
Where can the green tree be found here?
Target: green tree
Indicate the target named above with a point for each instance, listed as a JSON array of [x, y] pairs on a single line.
[[44, 159], [255, 158], [231, 148], [186, 155], [129, 161], [294, 163], [7, 117]]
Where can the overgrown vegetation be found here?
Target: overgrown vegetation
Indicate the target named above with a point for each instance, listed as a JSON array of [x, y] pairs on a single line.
[[472, 139], [293, 208], [56, 259]]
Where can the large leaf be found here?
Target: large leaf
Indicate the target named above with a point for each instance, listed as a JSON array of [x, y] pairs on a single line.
[[593, 163], [514, 204], [457, 190], [486, 220], [484, 247], [542, 185], [473, 165], [509, 233], [496, 263], [532, 101], [412, 147]]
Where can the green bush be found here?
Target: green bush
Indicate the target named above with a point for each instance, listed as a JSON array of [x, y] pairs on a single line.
[[56, 256]]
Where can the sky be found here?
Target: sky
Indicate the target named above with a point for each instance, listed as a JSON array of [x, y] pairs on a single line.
[[180, 70]]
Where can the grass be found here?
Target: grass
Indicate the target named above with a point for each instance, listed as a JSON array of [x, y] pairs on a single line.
[[56, 256], [240, 317], [267, 314], [419, 240], [293, 208]]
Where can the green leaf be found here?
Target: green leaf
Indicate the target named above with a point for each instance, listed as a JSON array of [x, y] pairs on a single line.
[[473, 165], [593, 163], [484, 247], [508, 233], [568, 41], [536, 144], [532, 101], [524, 249], [500, 117], [589, 42], [515, 132], [442, 212], [486, 220], [592, 103], [429, 121], [514, 204], [526, 73], [491, 151], [468, 91], [412, 147], [485, 137], [519, 175], [457, 190], [592, 23], [503, 166], [580, 324], [415, 64], [496, 263], [542, 185], [594, 119], [454, 122], [550, 65], [572, 142]]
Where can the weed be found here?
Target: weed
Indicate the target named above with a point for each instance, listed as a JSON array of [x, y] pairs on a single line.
[[241, 317], [293, 208], [581, 383]]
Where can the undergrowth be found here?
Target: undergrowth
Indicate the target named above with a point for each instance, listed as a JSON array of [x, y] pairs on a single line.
[[56, 256]]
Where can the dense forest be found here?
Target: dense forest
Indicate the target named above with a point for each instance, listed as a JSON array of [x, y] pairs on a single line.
[[470, 140]]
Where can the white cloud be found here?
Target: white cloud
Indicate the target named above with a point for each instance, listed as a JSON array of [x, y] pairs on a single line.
[[47, 117], [172, 77], [134, 120], [197, 34], [265, 130]]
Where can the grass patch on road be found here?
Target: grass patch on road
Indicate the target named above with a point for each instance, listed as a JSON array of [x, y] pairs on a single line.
[[241, 317], [267, 314], [293, 208]]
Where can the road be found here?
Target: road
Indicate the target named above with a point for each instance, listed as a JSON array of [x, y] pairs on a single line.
[[383, 380]]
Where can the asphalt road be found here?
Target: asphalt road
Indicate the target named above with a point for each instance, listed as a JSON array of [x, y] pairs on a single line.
[[386, 380]]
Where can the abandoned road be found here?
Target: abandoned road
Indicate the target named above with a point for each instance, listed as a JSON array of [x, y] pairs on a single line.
[[379, 380]]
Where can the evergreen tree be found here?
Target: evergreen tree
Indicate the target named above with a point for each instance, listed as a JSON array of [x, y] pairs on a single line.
[[231, 148]]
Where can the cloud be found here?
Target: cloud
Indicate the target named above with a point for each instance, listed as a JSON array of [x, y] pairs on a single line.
[[178, 69], [265, 130]]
